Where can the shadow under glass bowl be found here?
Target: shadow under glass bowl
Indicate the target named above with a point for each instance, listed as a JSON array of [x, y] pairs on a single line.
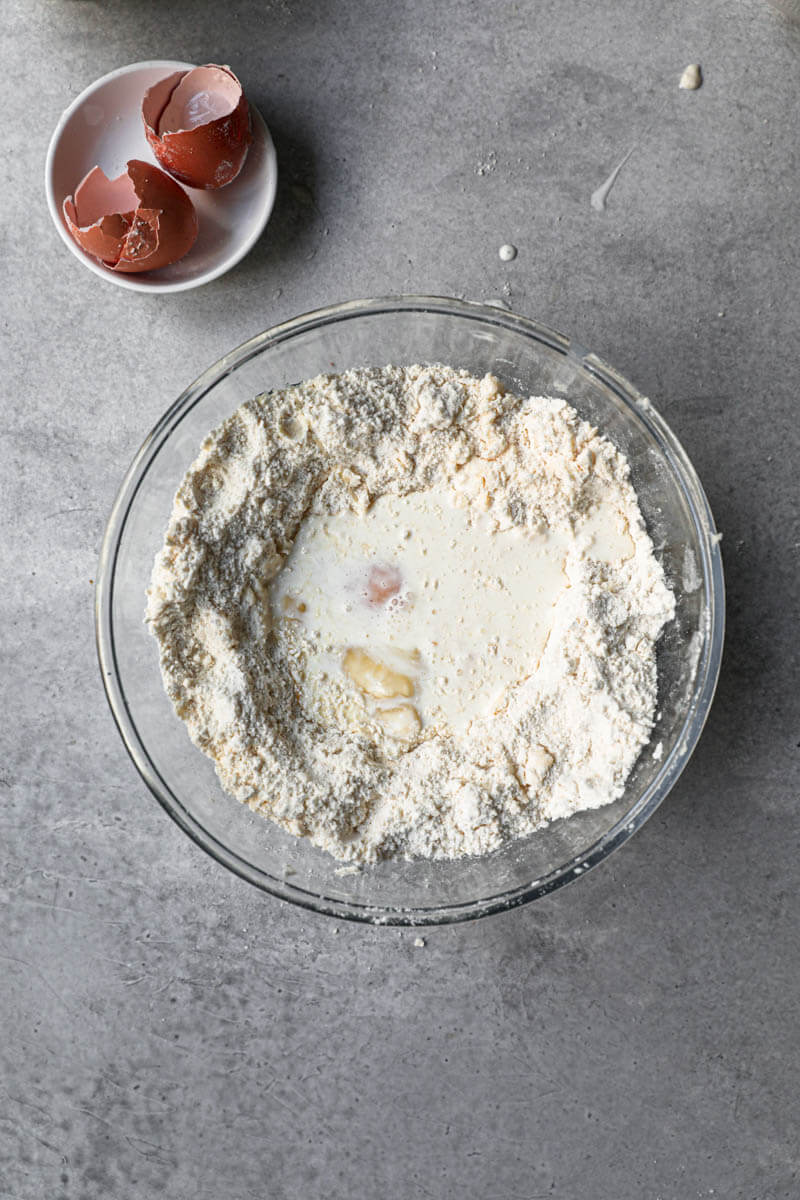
[[530, 360]]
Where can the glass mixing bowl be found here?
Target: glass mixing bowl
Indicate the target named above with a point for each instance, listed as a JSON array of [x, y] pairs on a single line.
[[530, 360]]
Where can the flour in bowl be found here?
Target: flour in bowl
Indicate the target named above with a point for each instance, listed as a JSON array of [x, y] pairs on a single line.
[[409, 614]]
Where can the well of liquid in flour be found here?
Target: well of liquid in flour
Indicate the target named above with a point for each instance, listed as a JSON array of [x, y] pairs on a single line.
[[428, 591]]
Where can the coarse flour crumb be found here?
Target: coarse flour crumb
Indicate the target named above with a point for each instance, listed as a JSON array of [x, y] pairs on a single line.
[[321, 749]]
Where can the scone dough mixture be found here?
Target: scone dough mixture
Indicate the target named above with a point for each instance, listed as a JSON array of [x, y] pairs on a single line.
[[408, 613]]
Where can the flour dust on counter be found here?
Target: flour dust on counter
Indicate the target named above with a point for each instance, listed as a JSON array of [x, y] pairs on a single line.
[[410, 614]]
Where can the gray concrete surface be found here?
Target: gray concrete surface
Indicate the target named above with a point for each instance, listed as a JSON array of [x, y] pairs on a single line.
[[167, 1030]]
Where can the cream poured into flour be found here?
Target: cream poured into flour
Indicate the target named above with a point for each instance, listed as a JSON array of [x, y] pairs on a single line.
[[434, 592], [430, 590], [410, 614]]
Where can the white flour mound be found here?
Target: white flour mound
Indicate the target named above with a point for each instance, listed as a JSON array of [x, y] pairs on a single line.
[[567, 734]]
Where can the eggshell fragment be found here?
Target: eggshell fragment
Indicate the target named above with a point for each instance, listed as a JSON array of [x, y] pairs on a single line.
[[139, 221], [198, 126]]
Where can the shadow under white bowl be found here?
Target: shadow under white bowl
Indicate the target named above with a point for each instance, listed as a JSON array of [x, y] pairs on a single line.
[[103, 128]]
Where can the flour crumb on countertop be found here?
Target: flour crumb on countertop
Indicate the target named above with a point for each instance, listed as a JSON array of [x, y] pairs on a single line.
[[487, 164], [375, 755], [692, 78]]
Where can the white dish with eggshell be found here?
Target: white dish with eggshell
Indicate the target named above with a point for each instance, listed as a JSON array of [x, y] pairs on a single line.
[[103, 128]]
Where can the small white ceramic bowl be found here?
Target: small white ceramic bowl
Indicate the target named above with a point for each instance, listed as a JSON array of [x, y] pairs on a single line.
[[103, 127]]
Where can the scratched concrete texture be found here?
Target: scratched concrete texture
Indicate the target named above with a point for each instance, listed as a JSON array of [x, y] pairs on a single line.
[[167, 1030]]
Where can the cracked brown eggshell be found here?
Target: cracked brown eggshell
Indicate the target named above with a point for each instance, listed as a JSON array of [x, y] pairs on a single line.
[[140, 221], [197, 124]]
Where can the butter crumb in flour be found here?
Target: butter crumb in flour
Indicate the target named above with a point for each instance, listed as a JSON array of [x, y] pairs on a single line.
[[409, 614]]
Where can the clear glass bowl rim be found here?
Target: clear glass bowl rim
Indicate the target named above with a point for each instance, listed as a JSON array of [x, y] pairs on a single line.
[[708, 665]]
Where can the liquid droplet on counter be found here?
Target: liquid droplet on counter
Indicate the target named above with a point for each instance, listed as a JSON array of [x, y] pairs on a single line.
[[600, 195], [508, 252]]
